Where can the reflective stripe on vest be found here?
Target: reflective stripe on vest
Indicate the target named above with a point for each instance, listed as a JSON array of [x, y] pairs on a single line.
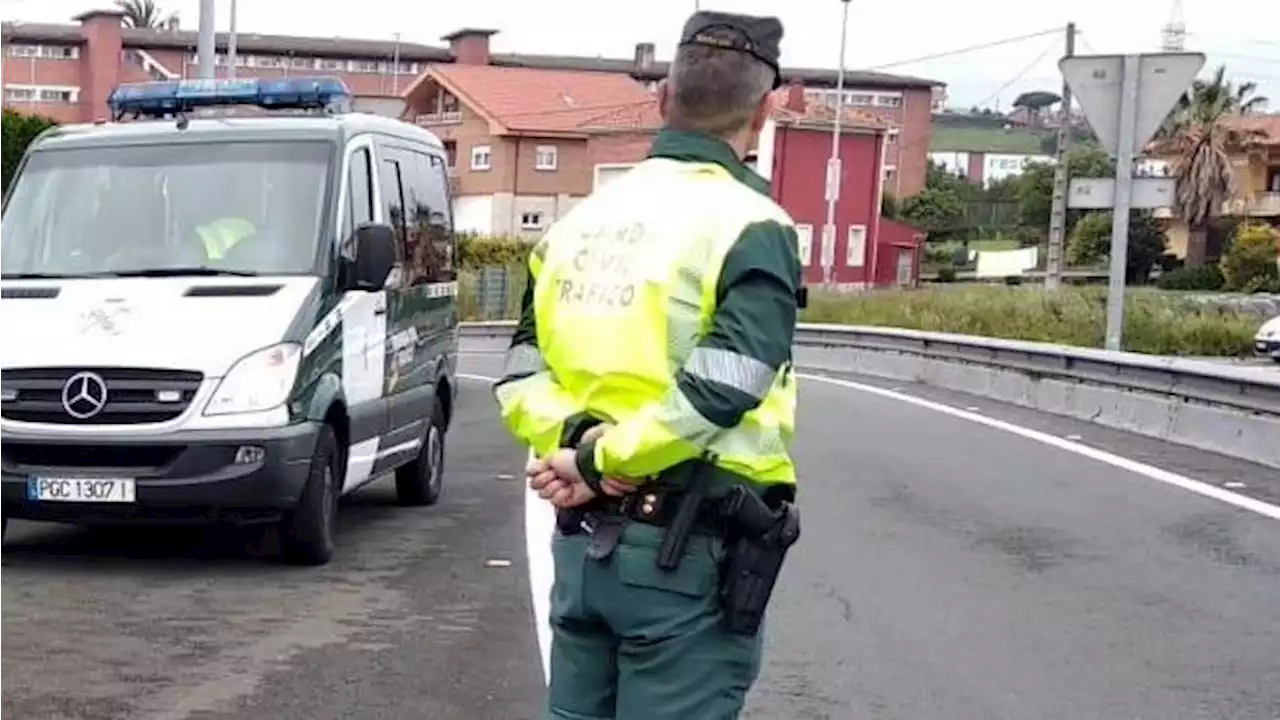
[[625, 292]]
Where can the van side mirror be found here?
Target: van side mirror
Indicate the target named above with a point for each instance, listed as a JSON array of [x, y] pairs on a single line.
[[375, 256]]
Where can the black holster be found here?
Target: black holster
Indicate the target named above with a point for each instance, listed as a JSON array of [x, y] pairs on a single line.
[[757, 545]]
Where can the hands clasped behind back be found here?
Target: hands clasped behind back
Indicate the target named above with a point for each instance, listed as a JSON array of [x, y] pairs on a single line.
[[556, 478]]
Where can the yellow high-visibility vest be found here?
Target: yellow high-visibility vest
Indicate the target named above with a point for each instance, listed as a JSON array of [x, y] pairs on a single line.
[[624, 291], [223, 234]]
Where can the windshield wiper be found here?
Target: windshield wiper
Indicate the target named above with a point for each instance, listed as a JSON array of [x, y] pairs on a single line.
[[40, 276], [179, 271]]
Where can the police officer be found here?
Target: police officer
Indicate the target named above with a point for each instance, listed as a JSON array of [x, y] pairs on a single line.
[[653, 352]]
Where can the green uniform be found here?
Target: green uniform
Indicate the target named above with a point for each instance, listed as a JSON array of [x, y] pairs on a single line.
[[664, 304]]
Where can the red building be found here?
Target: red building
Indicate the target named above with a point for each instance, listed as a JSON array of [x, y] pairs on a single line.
[[794, 151]]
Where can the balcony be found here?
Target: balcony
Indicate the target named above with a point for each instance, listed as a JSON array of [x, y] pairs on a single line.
[[452, 117], [1263, 204]]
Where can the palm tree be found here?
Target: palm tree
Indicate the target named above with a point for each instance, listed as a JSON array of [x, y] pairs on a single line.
[[140, 13], [1201, 138]]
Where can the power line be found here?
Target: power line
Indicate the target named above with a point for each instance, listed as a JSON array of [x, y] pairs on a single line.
[[962, 51], [1021, 73]]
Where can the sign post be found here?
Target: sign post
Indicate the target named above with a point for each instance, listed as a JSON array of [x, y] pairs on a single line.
[[1125, 98]]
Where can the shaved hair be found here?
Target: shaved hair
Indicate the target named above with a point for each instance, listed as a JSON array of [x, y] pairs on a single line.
[[715, 90]]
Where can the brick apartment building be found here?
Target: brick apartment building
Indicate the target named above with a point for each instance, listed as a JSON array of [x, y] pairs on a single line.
[[528, 135]]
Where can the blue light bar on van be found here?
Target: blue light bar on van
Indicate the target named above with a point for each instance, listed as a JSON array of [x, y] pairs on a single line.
[[165, 98]]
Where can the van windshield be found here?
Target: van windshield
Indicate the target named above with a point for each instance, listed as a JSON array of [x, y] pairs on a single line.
[[235, 208]]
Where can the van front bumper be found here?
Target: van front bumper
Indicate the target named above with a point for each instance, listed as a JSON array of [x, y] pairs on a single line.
[[238, 475]]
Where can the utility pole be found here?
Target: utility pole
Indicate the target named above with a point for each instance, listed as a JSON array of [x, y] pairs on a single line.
[[205, 47], [833, 163], [231, 44], [1058, 212]]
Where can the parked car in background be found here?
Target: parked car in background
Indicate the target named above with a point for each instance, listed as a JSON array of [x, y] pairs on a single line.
[[1267, 342]]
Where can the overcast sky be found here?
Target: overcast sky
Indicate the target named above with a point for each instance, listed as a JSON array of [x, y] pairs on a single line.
[[1238, 33]]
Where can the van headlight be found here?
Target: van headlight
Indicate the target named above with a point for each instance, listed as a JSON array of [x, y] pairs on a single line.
[[258, 381]]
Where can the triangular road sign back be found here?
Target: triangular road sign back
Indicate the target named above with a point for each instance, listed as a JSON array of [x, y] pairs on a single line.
[[1163, 78], [1098, 81]]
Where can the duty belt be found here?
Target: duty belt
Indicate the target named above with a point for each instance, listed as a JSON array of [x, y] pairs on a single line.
[[648, 504]]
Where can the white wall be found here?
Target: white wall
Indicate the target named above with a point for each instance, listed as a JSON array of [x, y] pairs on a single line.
[[998, 166], [956, 163], [473, 213]]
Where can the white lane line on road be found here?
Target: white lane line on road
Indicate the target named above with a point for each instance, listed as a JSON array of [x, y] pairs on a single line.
[[1154, 473], [539, 528]]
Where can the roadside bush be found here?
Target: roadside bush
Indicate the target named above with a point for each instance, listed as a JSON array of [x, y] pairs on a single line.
[[18, 132], [1155, 322], [1205, 278], [1250, 262], [946, 275], [477, 251]]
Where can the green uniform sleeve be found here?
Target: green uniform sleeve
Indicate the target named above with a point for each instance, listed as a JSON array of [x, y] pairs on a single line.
[[533, 405], [727, 375]]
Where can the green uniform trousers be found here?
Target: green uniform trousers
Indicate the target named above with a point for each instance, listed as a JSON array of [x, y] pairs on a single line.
[[632, 642]]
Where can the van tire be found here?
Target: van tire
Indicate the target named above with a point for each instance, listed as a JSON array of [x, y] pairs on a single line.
[[306, 532], [420, 482]]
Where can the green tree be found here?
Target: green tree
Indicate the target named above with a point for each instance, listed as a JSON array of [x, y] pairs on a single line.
[[143, 13], [1033, 189], [1250, 263], [933, 209], [18, 131], [1089, 243], [1201, 138]]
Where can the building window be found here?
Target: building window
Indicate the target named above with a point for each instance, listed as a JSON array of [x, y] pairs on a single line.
[[451, 153], [22, 51], [302, 63], [59, 52], [804, 243], [41, 93], [544, 157], [531, 221], [56, 95], [856, 248], [893, 136], [891, 101], [330, 64], [481, 157], [364, 66], [858, 99]]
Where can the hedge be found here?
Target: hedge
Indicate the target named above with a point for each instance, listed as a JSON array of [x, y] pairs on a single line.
[[478, 251], [18, 132], [1155, 322]]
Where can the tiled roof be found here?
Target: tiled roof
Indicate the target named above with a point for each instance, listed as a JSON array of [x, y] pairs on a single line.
[[1264, 128], [820, 114], [558, 101], [410, 52]]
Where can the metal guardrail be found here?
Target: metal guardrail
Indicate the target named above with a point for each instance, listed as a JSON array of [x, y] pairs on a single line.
[[1223, 408]]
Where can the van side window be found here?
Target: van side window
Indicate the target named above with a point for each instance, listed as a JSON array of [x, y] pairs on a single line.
[[436, 239], [392, 178], [359, 198]]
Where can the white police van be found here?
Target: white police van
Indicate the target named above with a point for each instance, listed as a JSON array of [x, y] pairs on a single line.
[[227, 319]]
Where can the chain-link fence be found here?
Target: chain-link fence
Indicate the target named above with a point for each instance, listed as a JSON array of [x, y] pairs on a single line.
[[491, 292]]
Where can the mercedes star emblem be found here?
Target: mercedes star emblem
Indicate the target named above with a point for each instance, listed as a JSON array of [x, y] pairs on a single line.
[[84, 395]]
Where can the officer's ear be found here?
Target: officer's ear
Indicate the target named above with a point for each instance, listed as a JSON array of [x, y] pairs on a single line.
[[764, 109], [663, 94]]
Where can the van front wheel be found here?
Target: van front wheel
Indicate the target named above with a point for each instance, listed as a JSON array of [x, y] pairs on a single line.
[[420, 482], [306, 533]]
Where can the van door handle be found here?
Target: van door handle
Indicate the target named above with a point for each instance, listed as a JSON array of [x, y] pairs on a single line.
[[380, 311]]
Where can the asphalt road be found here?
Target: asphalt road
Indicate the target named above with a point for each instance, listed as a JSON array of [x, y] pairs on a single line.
[[948, 570]]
